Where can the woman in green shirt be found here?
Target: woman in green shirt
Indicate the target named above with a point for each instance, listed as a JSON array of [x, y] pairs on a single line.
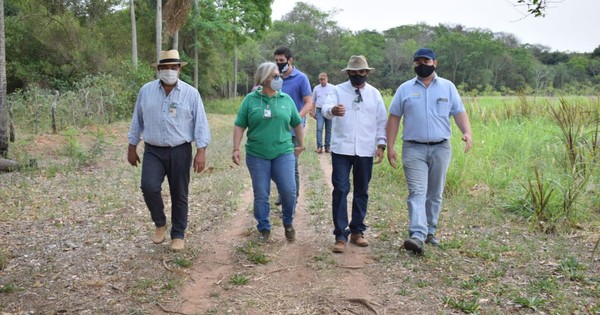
[[268, 114]]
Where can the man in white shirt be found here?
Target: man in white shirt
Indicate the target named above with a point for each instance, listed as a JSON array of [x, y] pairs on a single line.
[[319, 97], [358, 134]]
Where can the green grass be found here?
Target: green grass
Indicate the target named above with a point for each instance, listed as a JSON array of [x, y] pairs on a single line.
[[490, 258]]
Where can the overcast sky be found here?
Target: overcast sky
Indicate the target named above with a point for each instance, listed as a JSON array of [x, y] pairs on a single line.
[[570, 25]]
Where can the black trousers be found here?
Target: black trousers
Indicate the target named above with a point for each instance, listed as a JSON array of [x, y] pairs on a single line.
[[175, 164]]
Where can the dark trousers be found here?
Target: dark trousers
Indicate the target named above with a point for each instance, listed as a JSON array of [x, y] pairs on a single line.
[[175, 163], [362, 169]]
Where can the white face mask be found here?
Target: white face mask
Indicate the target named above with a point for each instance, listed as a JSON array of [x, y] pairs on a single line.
[[168, 76]]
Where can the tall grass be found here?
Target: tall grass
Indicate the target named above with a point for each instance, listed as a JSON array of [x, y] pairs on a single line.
[[522, 144]]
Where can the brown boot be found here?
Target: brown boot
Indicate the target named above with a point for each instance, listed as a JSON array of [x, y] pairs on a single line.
[[177, 244], [339, 247], [159, 234], [358, 239]]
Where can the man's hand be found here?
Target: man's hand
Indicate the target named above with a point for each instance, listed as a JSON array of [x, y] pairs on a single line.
[[392, 157], [468, 142], [338, 110], [379, 155], [132, 157], [199, 161]]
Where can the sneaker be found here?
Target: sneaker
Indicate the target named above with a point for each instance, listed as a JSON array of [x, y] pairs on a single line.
[[319, 150], [290, 233], [414, 244], [327, 150], [358, 239], [177, 244], [278, 201], [432, 240], [159, 234], [265, 235], [339, 247]]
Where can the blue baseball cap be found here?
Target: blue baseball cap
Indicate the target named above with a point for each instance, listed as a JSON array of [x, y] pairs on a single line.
[[424, 53]]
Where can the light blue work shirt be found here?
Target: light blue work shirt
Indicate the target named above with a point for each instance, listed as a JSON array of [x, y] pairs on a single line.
[[426, 110], [168, 121]]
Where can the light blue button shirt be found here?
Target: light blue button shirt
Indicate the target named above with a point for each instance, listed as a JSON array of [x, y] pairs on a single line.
[[169, 121], [426, 110]]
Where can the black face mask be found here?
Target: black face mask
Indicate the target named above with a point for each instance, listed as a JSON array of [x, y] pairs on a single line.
[[283, 66], [424, 70], [357, 80]]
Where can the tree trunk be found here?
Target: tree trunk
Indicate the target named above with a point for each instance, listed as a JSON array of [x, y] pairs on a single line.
[[196, 47], [158, 29], [235, 70], [176, 40], [3, 118], [134, 52]]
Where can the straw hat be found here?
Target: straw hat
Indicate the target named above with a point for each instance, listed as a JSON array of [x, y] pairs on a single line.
[[169, 57], [358, 63]]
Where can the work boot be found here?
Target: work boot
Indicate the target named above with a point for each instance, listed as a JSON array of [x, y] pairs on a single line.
[[358, 239], [159, 234], [290, 233], [177, 244], [265, 235], [339, 247], [415, 245], [432, 240]]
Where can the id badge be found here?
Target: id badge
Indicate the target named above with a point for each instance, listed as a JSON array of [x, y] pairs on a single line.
[[172, 110], [267, 113]]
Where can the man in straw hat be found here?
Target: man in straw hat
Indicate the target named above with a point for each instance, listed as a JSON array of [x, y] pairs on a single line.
[[358, 134], [170, 115], [427, 102]]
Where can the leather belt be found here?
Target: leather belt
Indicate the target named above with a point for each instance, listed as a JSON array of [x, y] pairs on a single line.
[[427, 143]]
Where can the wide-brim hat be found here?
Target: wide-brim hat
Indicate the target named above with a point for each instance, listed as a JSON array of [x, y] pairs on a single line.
[[169, 57], [358, 63]]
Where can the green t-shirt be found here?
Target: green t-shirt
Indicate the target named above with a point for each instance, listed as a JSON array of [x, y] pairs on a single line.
[[268, 137]]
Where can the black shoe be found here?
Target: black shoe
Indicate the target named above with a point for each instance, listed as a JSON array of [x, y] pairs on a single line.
[[415, 245], [265, 235], [290, 233], [278, 201], [432, 240]]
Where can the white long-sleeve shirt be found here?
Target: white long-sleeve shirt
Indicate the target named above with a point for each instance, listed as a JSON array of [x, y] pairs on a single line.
[[362, 128]]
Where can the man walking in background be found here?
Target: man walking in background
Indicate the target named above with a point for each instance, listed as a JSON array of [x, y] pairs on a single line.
[[426, 102], [297, 86], [319, 97]]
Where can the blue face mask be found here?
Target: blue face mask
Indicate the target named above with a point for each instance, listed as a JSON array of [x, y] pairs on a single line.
[[277, 83]]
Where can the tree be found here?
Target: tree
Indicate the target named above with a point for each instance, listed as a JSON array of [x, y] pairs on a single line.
[[134, 52], [3, 111], [536, 7]]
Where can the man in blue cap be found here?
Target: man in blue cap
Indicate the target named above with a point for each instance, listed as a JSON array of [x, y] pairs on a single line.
[[427, 102]]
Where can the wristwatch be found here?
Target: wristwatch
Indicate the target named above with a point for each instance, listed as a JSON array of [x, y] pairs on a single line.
[[381, 146]]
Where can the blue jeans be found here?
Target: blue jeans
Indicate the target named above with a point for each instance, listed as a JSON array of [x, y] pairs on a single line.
[[425, 168], [322, 121], [175, 163], [281, 170], [362, 168]]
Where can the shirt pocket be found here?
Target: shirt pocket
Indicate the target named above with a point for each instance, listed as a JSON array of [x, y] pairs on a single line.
[[442, 107], [179, 112]]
